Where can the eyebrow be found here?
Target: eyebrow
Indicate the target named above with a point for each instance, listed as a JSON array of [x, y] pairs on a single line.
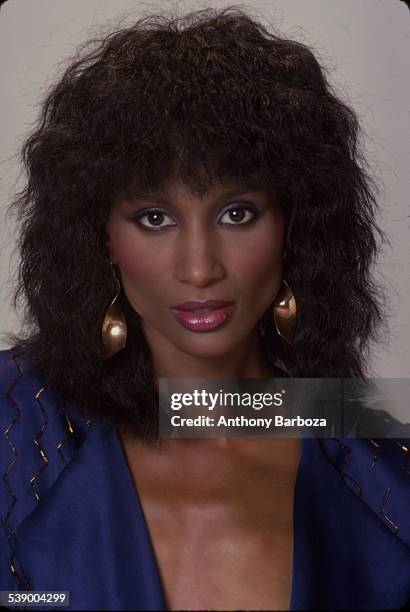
[[161, 198]]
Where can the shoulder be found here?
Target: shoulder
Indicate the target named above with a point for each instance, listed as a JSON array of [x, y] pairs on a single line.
[[38, 438], [378, 472]]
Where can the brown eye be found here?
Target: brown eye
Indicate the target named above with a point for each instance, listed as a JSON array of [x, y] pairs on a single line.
[[237, 216], [155, 220]]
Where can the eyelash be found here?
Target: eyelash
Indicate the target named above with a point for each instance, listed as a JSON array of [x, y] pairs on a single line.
[[145, 213]]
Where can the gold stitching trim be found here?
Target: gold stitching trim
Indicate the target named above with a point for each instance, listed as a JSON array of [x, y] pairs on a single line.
[[14, 451], [71, 432], [19, 580], [343, 472], [406, 456], [395, 528], [14, 571], [376, 453], [37, 443]]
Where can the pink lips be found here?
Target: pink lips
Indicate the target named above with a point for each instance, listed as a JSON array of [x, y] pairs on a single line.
[[203, 316]]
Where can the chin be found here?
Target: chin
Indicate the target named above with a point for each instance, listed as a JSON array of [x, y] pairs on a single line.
[[210, 344]]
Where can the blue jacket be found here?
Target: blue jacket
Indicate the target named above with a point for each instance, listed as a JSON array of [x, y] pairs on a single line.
[[72, 520]]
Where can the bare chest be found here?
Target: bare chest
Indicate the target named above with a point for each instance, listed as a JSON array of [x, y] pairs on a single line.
[[221, 530], [222, 567], [222, 556]]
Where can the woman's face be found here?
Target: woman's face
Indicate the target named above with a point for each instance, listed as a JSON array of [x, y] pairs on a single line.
[[174, 249]]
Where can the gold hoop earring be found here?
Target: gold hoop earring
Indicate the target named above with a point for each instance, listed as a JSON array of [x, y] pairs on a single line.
[[114, 327], [284, 313]]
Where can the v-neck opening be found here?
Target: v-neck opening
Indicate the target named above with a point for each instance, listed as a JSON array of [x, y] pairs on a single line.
[[149, 538]]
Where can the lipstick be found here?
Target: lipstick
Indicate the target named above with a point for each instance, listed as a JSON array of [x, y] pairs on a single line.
[[203, 316]]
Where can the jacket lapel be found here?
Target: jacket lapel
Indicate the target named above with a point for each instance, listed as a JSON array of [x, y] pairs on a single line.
[[346, 555], [89, 536]]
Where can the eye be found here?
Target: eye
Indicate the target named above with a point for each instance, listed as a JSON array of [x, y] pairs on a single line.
[[154, 220], [238, 215]]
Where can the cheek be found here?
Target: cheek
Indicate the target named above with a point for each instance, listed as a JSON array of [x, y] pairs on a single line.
[[261, 278], [261, 269], [263, 261], [139, 262]]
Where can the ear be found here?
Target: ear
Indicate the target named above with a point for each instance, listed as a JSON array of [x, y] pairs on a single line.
[[112, 257], [109, 248]]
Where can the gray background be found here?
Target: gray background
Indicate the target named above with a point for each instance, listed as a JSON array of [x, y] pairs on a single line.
[[363, 43]]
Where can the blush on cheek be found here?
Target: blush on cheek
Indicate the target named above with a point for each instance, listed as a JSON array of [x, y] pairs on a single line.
[[264, 258], [262, 266], [125, 248], [132, 266], [141, 273], [266, 277]]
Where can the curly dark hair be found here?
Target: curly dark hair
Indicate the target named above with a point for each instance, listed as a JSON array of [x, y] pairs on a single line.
[[211, 95]]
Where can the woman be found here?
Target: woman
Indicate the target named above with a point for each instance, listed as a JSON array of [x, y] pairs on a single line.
[[196, 207]]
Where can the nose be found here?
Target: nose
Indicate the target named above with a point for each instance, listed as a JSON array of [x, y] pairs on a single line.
[[199, 258]]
